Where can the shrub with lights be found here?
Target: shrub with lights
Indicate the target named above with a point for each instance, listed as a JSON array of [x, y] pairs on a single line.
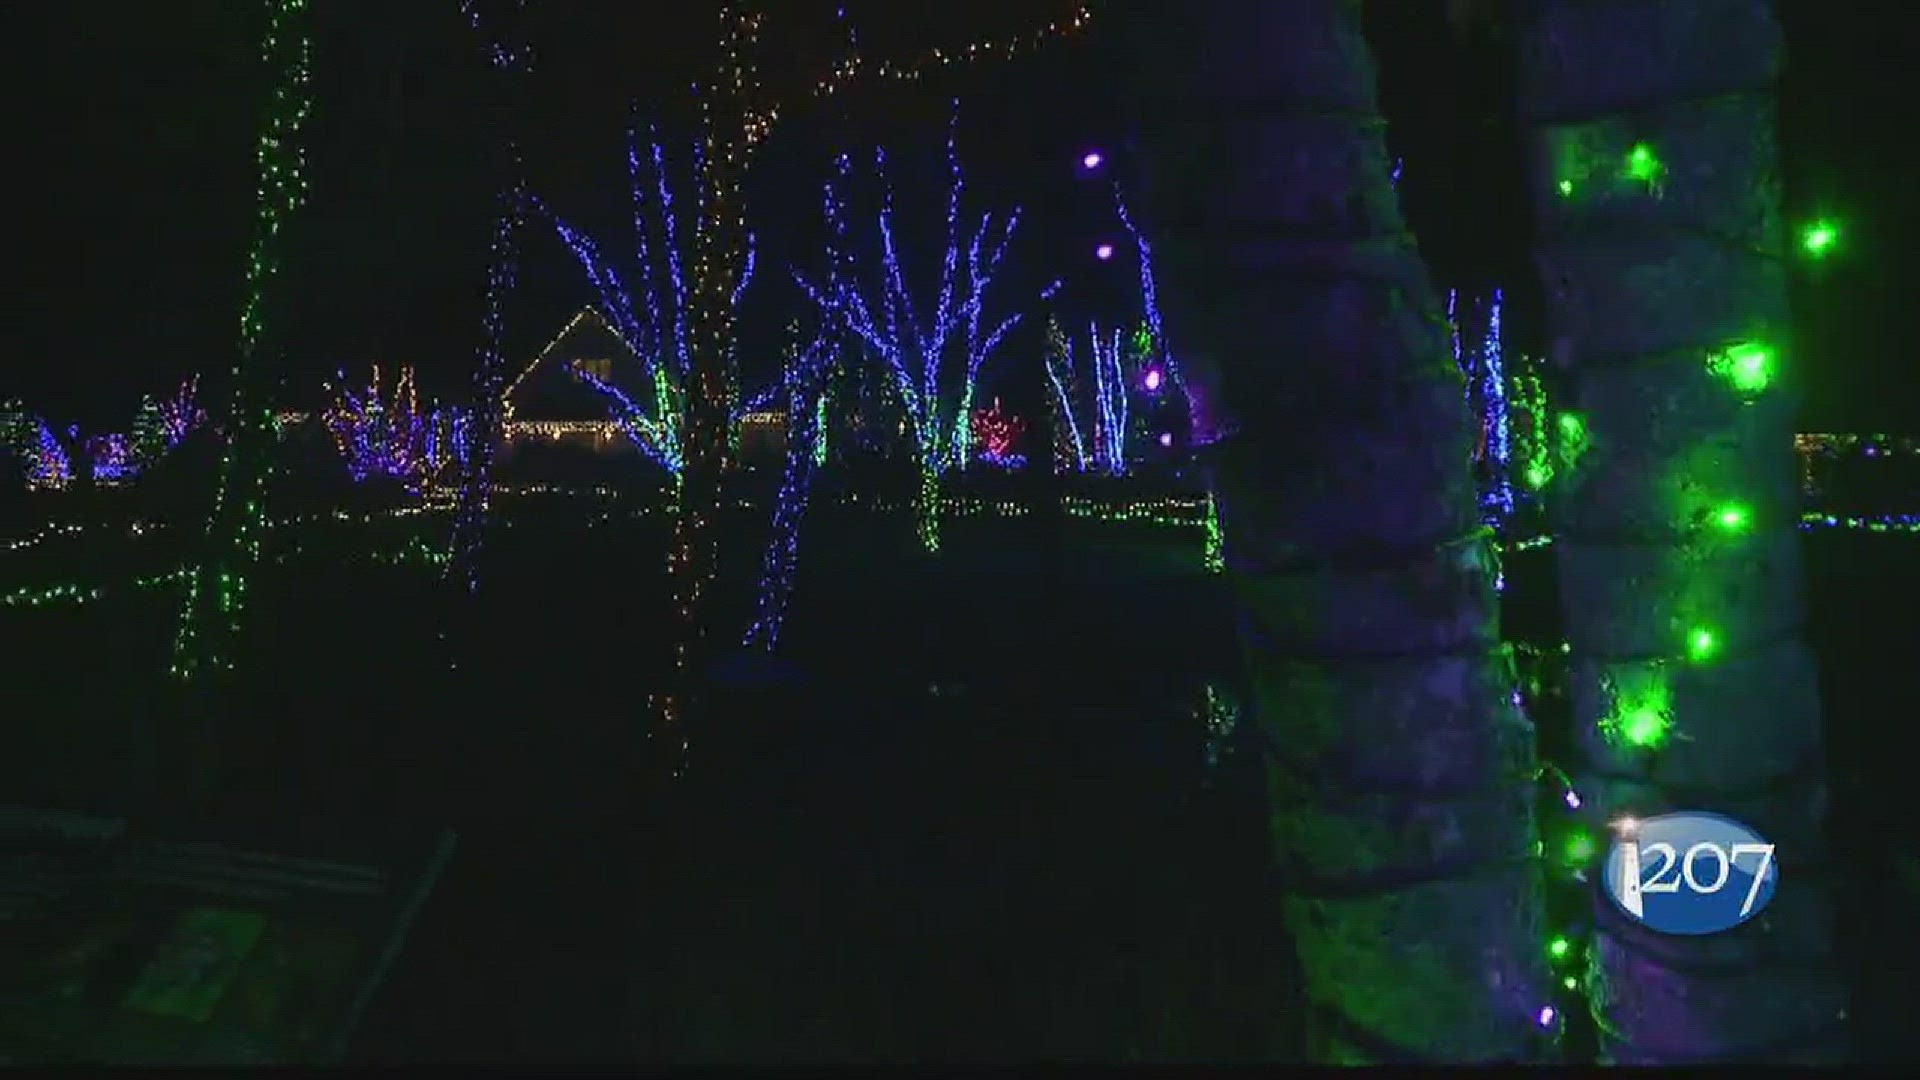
[[996, 435], [51, 462], [381, 433], [43, 460]]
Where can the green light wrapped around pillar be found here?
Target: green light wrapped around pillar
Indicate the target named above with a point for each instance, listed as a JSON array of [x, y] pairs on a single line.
[[1690, 683]]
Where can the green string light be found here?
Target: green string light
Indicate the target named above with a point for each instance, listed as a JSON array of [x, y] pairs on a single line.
[[1818, 239], [1215, 556], [1749, 366], [1574, 439], [1642, 716], [1644, 165], [1702, 644], [1733, 518], [1579, 848]]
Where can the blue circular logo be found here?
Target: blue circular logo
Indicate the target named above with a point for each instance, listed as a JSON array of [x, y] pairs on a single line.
[[1689, 872]]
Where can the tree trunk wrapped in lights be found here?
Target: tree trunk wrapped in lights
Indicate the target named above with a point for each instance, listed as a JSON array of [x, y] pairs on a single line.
[[1661, 248], [487, 418], [1402, 770], [804, 380], [215, 598]]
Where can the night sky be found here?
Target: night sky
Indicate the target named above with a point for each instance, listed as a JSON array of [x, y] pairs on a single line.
[[135, 212]]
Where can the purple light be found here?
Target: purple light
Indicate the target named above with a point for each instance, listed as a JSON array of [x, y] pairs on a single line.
[[1573, 800], [1092, 160], [1153, 379], [1103, 252], [1545, 1016], [1166, 438]]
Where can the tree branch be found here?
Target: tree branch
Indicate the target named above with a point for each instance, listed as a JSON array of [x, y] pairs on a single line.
[[856, 66]]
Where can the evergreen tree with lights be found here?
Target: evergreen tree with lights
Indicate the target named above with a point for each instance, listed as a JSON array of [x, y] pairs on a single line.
[[1664, 254], [1401, 769]]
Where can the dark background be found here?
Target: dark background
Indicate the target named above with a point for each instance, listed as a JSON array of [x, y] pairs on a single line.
[[132, 214]]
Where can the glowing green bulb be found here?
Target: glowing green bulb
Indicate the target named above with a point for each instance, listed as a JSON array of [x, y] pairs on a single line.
[[1819, 238], [1574, 439], [1733, 518], [1642, 164], [1749, 367], [1537, 476], [1559, 947], [1570, 983], [1644, 727], [1566, 189], [1579, 848], [1701, 644]]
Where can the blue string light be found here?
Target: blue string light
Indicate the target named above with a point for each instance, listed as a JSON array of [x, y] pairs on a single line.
[[1112, 393], [1499, 500], [1149, 290]]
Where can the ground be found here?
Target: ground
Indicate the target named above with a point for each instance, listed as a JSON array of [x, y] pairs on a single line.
[[913, 844]]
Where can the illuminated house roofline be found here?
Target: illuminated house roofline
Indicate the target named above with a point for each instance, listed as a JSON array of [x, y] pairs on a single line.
[[554, 429], [585, 313]]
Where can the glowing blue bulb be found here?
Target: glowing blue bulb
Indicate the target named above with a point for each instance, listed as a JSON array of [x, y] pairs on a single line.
[[1546, 1016], [1153, 379], [1166, 438], [1103, 252], [1092, 161]]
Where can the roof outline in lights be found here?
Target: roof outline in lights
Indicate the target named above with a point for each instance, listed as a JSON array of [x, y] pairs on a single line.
[[588, 312]]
